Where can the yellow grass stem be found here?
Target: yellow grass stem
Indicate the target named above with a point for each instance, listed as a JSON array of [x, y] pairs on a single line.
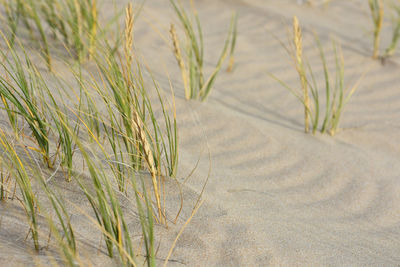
[[231, 63], [377, 12], [148, 154], [181, 63], [301, 71], [93, 32], [378, 30], [129, 20], [137, 126], [128, 34], [195, 209]]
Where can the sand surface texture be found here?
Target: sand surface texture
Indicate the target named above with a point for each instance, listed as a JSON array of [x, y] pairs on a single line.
[[277, 196]]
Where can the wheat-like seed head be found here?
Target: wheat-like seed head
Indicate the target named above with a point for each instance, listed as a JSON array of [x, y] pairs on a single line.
[[136, 121], [141, 134], [129, 20], [297, 40], [94, 10], [78, 16], [148, 155], [138, 126], [93, 30], [179, 59], [177, 49]]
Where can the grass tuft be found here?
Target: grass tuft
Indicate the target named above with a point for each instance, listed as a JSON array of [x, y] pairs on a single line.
[[377, 14], [18, 88], [297, 40], [231, 63], [191, 63], [19, 173], [396, 31], [336, 94], [74, 22]]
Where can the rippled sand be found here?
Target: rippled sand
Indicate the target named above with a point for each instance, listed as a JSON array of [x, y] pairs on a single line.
[[276, 196]]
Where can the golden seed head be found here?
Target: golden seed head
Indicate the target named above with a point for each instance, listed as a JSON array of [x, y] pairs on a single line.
[[297, 39], [175, 41], [177, 49], [129, 20]]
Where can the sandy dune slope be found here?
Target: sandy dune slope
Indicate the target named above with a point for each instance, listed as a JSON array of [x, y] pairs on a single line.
[[277, 196]]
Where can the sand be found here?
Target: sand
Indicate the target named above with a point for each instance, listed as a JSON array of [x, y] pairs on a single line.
[[277, 196]]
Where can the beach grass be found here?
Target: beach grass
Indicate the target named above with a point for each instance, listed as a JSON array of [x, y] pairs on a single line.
[[377, 8], [75, 23], [377, 15], [390, 50], [61, 229], [29, 13], [105, 203], [337, 95], [191, 61], [231, 63], [5, 184], [300, 67], [133, 129], [19, 172], [101, 195], [107, 210], [138, 136], [18, 88]]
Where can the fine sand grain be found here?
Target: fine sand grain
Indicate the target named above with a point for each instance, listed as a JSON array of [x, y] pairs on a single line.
[[276, 196]]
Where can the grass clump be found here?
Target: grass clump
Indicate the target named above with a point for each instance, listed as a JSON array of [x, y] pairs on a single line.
[[5, 184], [26, 95], [18, 89], [63, 231], [19, 172], [61, 127], [108, 212], [336, 94], [191, 63], [231, 63], [139, 127], [75, 22], [104, 199], [300, 67], [396, 31], [136, 131], [377, 13], [25, 171], [29, 13]]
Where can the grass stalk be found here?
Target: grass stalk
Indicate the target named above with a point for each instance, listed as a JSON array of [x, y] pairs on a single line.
[[75, 22], [108, 212], [5, 183], [19, 88], [233, 43], [336, 94], [396, 32], [192, 63], [297, 39], [138, 136], [66, 236], [377, 14], [181, 62], [19, 172]]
